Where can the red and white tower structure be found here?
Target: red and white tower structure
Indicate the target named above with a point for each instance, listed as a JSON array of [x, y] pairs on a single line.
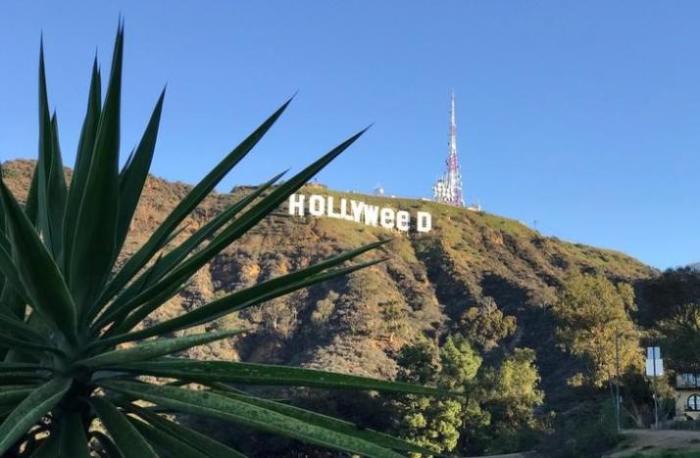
[[448, 188]]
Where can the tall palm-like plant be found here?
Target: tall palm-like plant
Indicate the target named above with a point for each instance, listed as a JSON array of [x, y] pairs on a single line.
[[66, 310]]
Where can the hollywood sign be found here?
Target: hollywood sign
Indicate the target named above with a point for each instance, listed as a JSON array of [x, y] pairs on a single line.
[[359, 212]]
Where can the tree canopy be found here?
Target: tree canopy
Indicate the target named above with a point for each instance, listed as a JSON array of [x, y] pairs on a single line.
[[594, 317]]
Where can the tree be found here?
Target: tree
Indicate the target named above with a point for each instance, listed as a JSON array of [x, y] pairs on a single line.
[[419, 362], [460, 363], [395, 315], [665, 294], [511, 395], [592, 313], [681, 338], [485, 325], [436, 423], [496, 415], [67, 306]]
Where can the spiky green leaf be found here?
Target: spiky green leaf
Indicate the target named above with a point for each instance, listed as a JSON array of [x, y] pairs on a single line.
[[13, 395], [249, 297], [157, 240], [72, 441], [37, 270], [135, 172], [15, 327], [94, 240], [30, 410], [165, 264], [240, 226], [153, 349], [327, 422], [108, 445], [9, 342], [203, 443], [171, 445], [129, 441], [51, 190], [46, 448], [31, 208], [86, 146], [224, 408], [13, 283], [263, 374]]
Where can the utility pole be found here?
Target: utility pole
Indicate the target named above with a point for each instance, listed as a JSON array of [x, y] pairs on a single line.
[[617, 381], [656, 397]]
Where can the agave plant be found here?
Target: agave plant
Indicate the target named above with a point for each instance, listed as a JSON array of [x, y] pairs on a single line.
[[69, 386]]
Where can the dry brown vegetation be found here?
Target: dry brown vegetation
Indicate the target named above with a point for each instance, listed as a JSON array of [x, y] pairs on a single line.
[[358, 323]]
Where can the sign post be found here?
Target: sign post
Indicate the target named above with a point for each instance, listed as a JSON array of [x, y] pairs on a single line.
[[655, 368]]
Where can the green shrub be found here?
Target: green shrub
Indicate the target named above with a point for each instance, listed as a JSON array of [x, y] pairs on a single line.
[[586, 430]]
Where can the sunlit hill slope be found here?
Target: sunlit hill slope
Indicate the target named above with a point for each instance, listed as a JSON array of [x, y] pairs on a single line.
[[357, 324]]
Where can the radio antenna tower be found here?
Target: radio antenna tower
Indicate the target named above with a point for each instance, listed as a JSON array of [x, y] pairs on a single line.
[[448, 189]]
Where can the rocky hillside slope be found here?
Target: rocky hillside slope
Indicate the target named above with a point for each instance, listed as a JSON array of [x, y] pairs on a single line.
[[357, 324]]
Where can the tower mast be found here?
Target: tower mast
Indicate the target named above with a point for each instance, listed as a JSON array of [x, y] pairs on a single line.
[[453, 173], [448, 189]]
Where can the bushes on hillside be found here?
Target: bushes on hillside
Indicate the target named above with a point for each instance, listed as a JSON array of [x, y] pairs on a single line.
[[497, 416], [595, 325], [586, 430]]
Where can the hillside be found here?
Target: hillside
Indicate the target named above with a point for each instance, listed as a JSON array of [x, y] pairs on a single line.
[[357, 324]]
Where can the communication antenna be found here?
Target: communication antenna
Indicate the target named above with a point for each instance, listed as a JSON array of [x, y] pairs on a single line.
[[448, 189]]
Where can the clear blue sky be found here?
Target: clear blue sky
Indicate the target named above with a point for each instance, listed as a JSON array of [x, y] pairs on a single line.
[[582, 115]]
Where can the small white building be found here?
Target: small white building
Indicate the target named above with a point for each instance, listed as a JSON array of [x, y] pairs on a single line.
[[688, 396]]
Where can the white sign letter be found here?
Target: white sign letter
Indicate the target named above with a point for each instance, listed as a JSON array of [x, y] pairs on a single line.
[[371, 215], [357, 208], [296, 204], [403, 220], [424, 221], [386, 218], [330, 210], [317, 205], [343, 209]]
